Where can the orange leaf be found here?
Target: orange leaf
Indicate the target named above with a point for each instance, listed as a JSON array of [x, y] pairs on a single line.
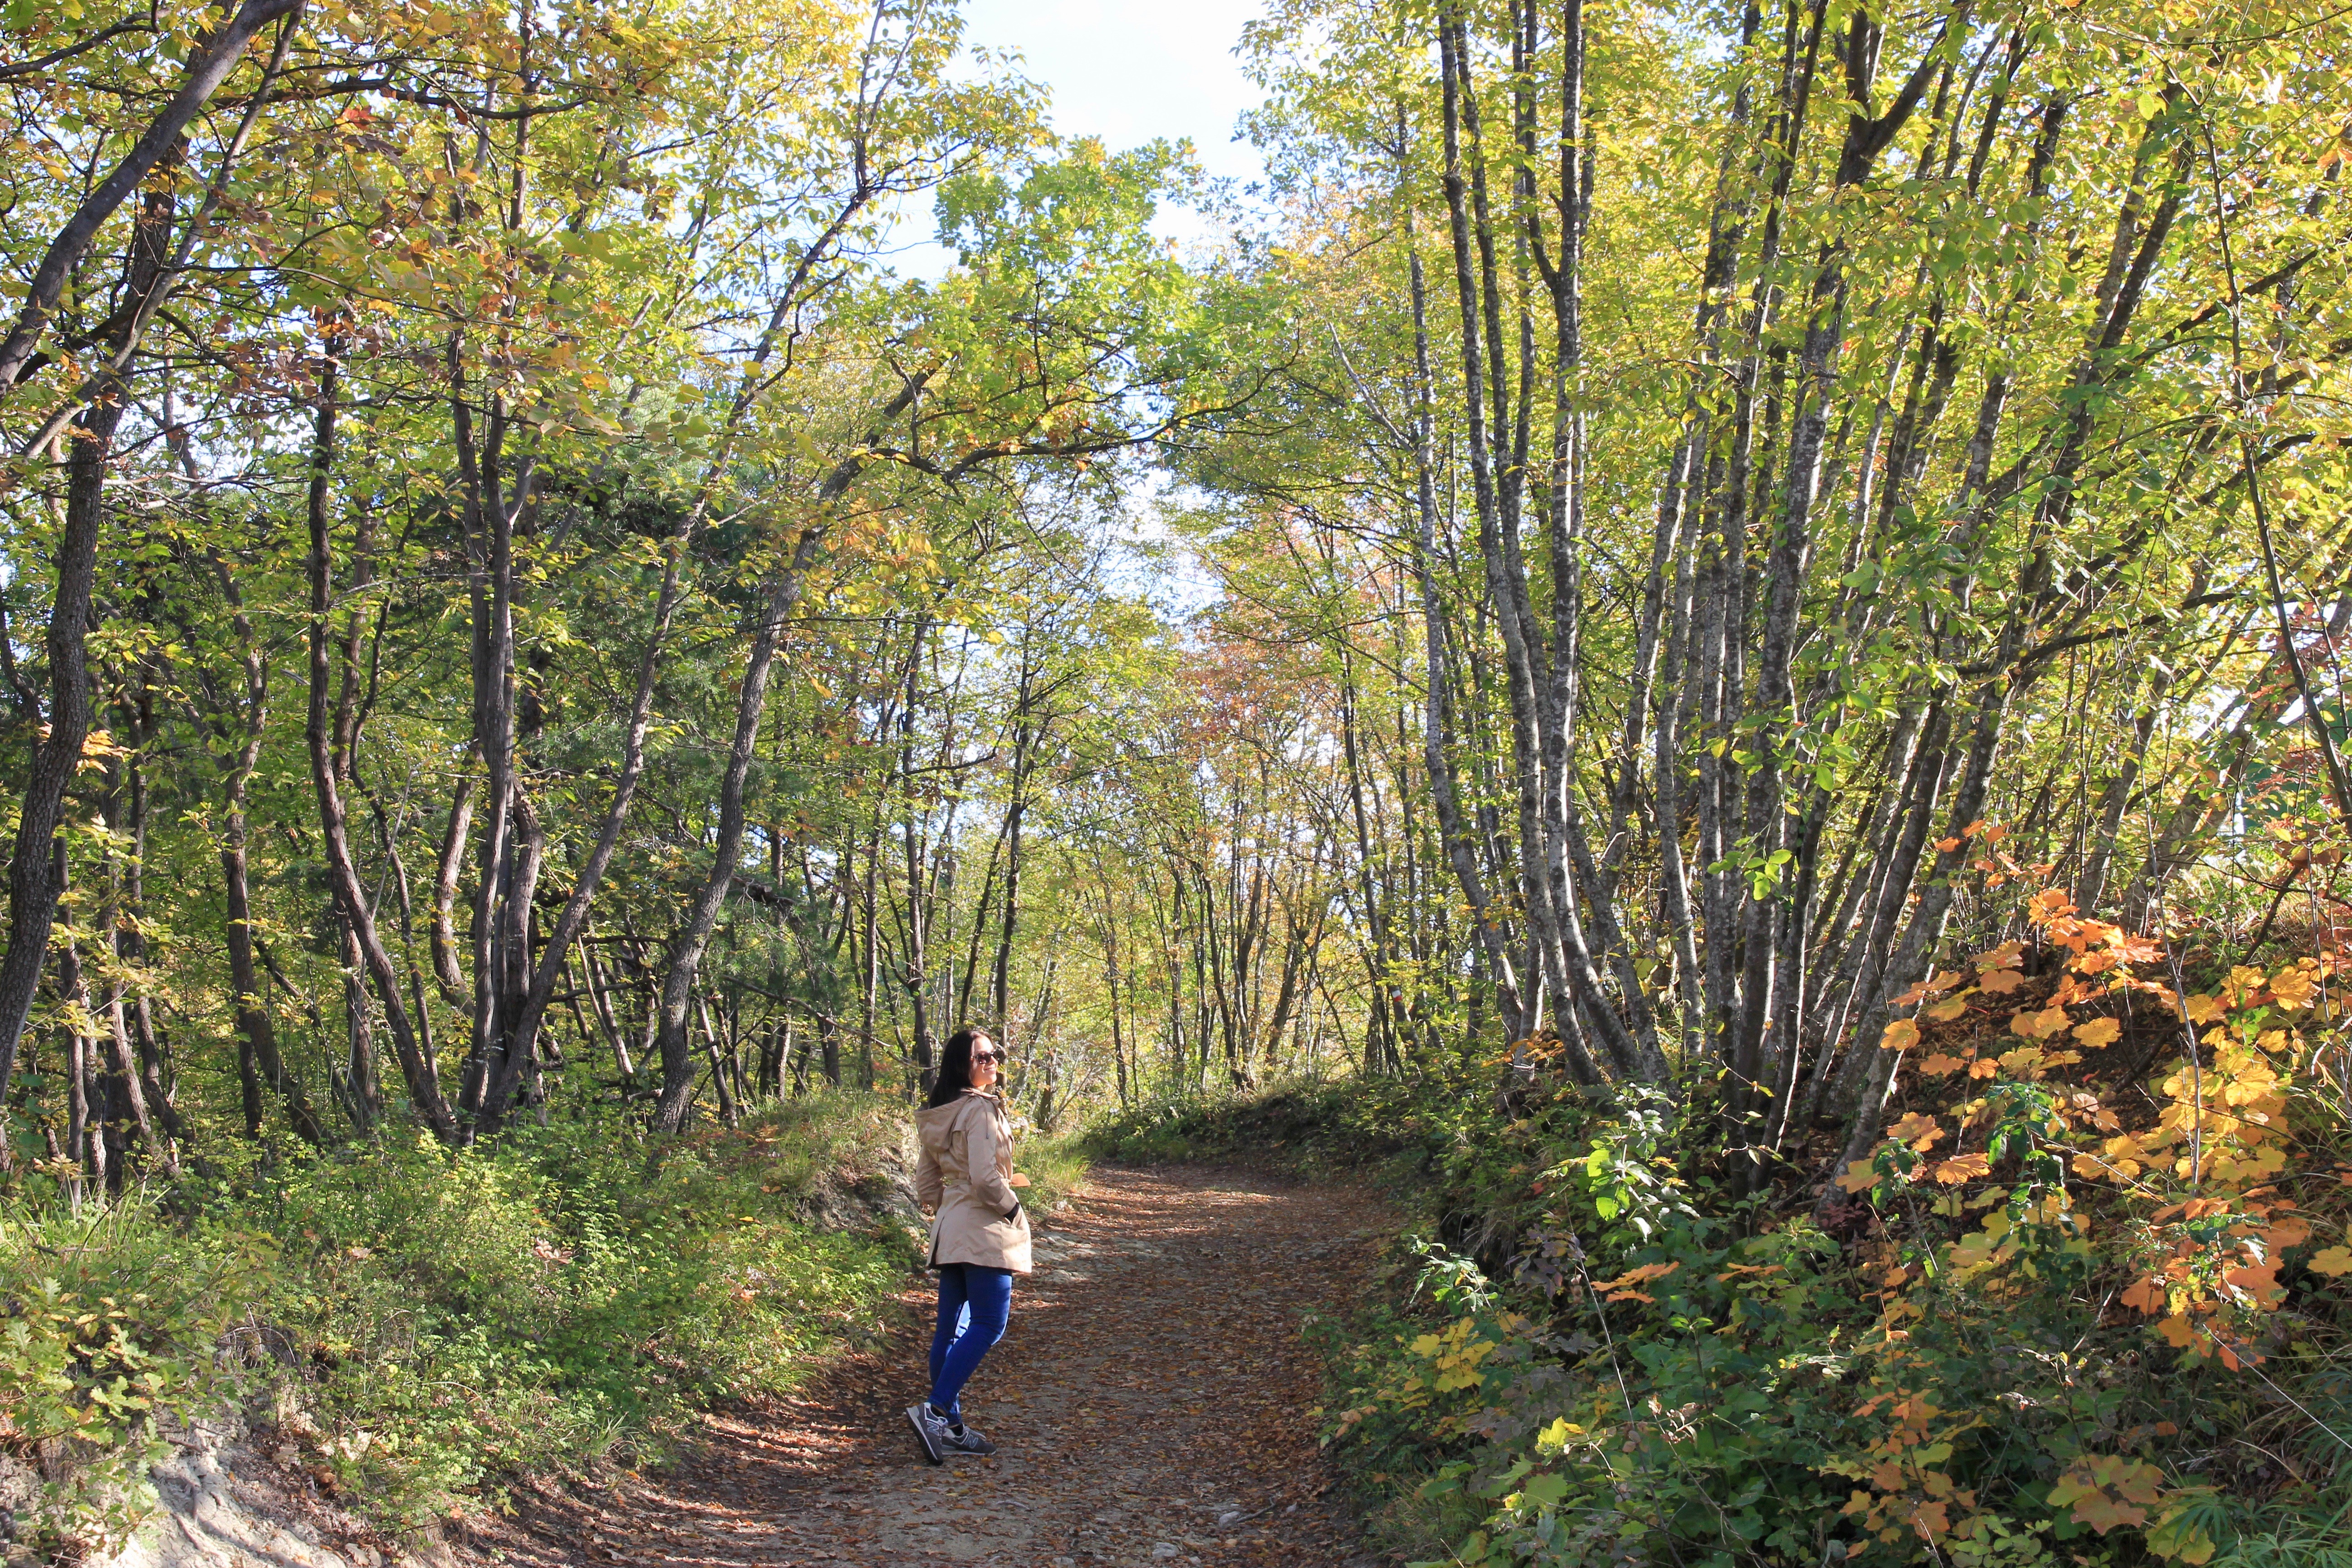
[[2048, 904], [2102, 1513], [2108, 1489], [2284, 1233], [1920, 1131], [2000, 981], [2259, 1281], [1641, 1275], [1962, 1168], [1936, 983], [1900, 1035]]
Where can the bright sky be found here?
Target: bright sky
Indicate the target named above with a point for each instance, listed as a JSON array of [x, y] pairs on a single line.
[[1128, 71]]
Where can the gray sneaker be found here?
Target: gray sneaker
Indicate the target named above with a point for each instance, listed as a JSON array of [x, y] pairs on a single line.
[[968, 1440], [931, 1431]]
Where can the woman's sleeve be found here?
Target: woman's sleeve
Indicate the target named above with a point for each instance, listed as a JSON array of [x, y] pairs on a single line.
[[928, 1187], [984, 1147]]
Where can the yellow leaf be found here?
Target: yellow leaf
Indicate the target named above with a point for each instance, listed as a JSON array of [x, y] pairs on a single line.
[[2038, 1025], [1900, 1035], [2333, 1260], [2178, 1536], [1945, 1012], [2205, 1009], [2294, 987], [2098, 1033], [1554, 1438]]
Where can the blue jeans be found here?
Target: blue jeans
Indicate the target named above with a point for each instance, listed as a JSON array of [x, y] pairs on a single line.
[[974, 1302]]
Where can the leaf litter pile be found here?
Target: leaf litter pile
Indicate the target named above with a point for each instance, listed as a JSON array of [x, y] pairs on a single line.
[[1151, 1404]]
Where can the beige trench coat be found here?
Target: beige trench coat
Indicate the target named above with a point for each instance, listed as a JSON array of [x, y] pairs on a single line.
[[965, 1173]]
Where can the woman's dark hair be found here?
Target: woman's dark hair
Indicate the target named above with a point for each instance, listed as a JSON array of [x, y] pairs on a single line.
[[955, 1066]]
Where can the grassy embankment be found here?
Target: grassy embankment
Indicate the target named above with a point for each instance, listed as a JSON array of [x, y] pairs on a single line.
[[421, 1326]]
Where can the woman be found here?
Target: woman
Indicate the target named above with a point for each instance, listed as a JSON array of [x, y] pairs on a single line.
[[980, 1238]]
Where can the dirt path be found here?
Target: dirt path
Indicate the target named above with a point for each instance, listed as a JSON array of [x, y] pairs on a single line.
[[1149, 1402]]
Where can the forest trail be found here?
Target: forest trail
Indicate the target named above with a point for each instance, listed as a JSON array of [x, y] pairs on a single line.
[[1151, 1404]]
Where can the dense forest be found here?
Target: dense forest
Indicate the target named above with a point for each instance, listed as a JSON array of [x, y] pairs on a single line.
[[1734, 613]]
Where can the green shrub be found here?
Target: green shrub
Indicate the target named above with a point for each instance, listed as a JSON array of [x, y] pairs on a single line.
[[108, 1323]]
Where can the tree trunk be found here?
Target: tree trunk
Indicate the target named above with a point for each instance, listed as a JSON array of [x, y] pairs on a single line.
[[424, 1087], [32, 889]]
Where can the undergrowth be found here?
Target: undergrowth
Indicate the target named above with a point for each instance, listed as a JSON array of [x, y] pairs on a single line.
[[1056, 1167], [422, 1324], [1306, 1124], [2085, 1304]]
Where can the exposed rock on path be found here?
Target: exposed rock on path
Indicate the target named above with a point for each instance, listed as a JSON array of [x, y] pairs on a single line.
[[1149, 1402]]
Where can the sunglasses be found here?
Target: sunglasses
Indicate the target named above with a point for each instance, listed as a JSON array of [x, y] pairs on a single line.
[[988, 1056]]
